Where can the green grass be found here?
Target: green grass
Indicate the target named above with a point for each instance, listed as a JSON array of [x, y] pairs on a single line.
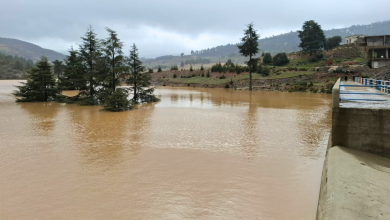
[[216, 81], [287, 74], [319, 84], [201, 80]]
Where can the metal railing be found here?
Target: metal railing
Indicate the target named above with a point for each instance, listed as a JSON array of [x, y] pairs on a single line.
[[380, 85]]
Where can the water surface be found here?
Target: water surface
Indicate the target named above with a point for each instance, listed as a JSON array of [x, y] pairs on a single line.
[[197, 154]]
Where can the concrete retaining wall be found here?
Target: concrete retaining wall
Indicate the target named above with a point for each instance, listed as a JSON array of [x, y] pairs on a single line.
[[362, 129]]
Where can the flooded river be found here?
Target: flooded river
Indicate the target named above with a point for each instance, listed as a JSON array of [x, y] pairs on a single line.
[[197, 154]]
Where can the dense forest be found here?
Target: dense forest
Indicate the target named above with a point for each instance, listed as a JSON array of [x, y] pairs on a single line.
[[13, 67]]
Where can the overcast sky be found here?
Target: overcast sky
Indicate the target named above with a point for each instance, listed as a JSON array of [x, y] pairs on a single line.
[[164, 27]]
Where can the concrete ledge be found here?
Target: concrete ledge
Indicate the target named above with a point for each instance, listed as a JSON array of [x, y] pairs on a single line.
[[355, 185]]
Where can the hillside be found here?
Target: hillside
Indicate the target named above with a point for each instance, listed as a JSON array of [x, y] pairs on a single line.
[[301, 74], [27, 50], [289, 42], [13, 67], [282, 43]]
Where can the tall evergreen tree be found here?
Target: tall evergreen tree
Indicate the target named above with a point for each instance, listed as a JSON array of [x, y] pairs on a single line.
[[90, 54], [312, 37], [40, 85], [112, 48], [138, 79], [73, 77], [58, 68], [267, 59], [249, 47]]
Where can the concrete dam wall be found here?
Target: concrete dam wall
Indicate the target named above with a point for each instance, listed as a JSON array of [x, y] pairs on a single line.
[[355, 182]]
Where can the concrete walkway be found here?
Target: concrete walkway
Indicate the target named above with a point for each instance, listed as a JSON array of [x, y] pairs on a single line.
[[362, 103], [355, 185]]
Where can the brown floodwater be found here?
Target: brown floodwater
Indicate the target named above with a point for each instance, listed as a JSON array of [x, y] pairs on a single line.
[[196, 154]]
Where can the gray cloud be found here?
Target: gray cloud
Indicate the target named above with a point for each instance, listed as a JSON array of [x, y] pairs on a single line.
[[174, 26]]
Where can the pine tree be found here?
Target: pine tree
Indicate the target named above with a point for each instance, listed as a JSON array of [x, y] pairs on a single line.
[[73, 75], [267, 60], [249, 47], [201, 67], [40, 85], [113, 55], [138, 79], [191, 68], [159, 69], [118, 102], [312, 37], [90, 54], [58, 68]]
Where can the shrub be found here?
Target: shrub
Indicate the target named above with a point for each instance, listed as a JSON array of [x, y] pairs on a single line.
[[330, 62], [202, 75], [174, 67], [226, 86], [265, 71], [319, 56], [313, 90], [280, 59], [222, 77], [201, 67], [159, 69], [191, 68], [208, 74], [259, 69], [174, 75], [150, 70]]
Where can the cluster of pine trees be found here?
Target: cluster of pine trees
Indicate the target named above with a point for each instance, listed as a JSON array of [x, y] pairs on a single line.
[[96, 70], [13, 67]]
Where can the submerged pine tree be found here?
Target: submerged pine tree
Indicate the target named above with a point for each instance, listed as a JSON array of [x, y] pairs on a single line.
[[40, 85], [90, 56], [118, 101], [138, 79], [113, 55], [73, 77]]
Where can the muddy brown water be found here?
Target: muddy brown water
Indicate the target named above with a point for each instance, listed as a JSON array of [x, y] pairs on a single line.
[[197, 154]]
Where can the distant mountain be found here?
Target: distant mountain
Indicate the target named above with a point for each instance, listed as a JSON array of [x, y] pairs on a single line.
[[27, 50], [289, 42]]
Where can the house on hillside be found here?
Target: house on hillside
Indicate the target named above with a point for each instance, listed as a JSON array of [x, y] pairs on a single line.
[[375, 48], [353, 39]]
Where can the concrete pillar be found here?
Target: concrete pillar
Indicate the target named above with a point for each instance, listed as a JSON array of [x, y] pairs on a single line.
[[336, 94]]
